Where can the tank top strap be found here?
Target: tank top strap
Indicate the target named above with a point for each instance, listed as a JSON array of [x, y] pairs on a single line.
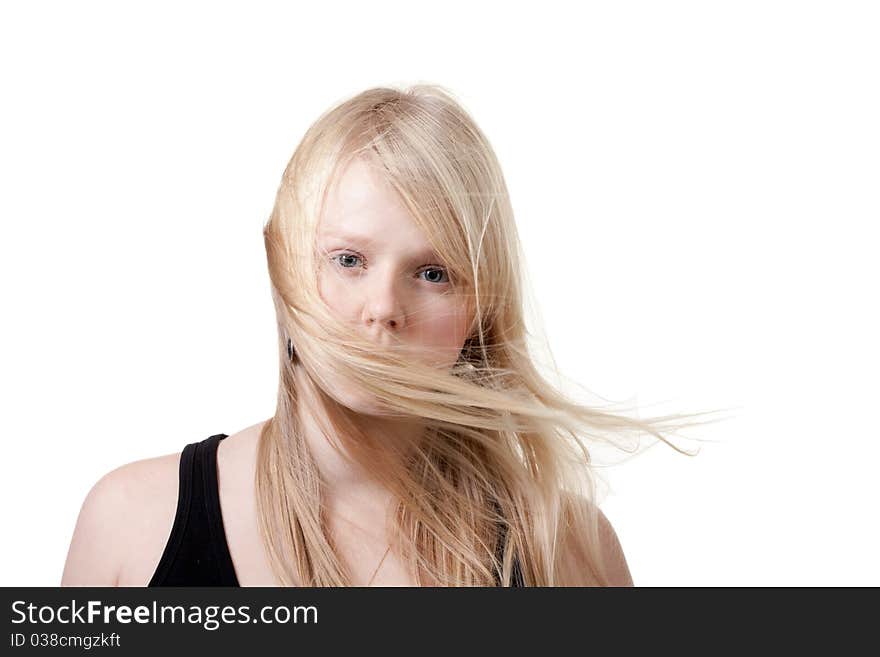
[[197, 553], [207, 456]]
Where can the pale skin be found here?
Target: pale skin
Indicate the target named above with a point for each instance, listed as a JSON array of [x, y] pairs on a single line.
[[378, 273]]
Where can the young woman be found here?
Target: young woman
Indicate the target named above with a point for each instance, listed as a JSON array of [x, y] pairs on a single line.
[[414, 442]]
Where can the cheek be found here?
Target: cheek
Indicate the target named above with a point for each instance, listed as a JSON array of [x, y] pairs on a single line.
[[444, 335], [335, 295], [444, 325]]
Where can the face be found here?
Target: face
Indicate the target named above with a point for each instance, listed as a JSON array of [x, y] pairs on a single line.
[[378, 272]]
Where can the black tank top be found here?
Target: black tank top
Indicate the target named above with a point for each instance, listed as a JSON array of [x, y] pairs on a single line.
[[197, 553]]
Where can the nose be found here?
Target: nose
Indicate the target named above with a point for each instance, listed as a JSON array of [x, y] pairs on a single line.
[[383, 307]]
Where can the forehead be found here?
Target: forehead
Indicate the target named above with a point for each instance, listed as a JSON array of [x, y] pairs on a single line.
[[362, 205]]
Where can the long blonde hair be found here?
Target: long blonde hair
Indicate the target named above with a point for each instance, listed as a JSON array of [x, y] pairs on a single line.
[[504, 454]]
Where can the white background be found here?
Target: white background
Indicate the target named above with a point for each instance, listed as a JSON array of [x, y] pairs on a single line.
[[696, 185]]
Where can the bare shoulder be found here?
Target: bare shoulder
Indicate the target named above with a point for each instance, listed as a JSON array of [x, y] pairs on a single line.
[[122, 519], [127, 516], [616, 567]]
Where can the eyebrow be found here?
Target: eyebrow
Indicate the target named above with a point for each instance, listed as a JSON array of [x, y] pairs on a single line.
[[365, 240], [348, 237]]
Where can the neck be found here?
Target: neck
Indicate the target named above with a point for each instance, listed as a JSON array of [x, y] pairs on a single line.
[[349, 487]]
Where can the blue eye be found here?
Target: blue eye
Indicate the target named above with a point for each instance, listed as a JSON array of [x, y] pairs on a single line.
[[344, 255], [441, 271]]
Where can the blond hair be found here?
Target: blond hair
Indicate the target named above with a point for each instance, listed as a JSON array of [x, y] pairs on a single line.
[[504, 454]]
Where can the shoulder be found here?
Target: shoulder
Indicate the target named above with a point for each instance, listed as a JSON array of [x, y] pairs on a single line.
[[126, 518], [616, 567], [119, 515]]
